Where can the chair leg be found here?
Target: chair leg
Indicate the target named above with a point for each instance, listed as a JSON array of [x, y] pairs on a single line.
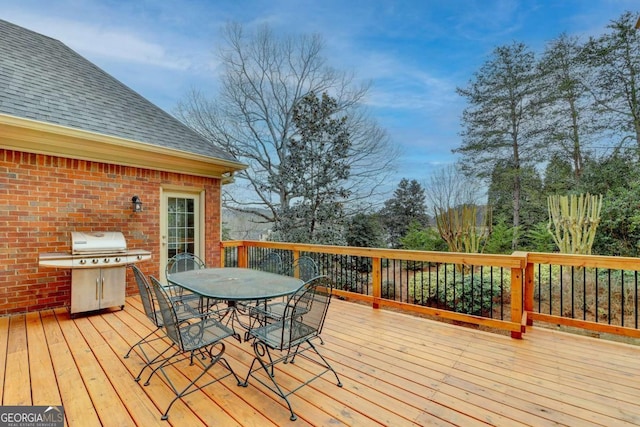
[[326, 364], [148, 361], [161, 365], [262, 353], [291, 355], [142, 340], [188, 389], [261, 350], [151, 362]]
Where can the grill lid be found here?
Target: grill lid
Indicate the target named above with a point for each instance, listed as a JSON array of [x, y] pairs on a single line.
[[97, 242]]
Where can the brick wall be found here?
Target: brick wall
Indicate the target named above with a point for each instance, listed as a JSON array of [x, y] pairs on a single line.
[[43, 198]]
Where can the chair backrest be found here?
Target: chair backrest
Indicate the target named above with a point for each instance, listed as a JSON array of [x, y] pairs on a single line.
[[307, 309], [271, 262], [304, 268], [183, 261], [168, 312], [146, 295]]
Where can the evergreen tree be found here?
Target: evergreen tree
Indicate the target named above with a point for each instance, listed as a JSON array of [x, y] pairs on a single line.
[[499, 122], [406, 206], [617, 178], [605, 174], [419, 238], [615, 86], [569, 122], [314, 174], [365, 231], [619, 229], [533, 203], [558, 176]]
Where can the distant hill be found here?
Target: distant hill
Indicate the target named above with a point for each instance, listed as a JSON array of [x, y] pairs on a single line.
[[245, 226]]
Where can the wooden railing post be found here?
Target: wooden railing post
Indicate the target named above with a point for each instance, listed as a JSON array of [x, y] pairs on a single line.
[[243, 256], [377, 281], [516, 294], [516, 299], [528, 290]]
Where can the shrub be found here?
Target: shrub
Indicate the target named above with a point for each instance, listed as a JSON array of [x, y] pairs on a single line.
[[423, 239], [388, 290], [540, 239], [470, 292], [501, 239]]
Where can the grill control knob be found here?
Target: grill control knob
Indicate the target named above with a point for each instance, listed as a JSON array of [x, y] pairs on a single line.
[[95, 260], [83, 261], [118, 259], [106, 260]]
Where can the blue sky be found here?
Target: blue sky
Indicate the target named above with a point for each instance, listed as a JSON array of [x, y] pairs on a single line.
[[415, 53]]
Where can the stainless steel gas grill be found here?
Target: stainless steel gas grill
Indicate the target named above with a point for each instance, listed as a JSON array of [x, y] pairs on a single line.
[[98, 264]]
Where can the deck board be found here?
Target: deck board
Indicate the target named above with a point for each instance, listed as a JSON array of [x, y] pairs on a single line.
[[4, 338], [17, 364], [397, 369], [43, 378], [95, 379], [135, 400], [78, 407]]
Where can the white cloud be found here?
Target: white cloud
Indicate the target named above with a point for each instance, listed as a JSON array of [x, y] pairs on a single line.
[[111, 43], [122, 45]]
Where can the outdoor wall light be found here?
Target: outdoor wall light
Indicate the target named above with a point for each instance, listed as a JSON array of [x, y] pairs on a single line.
[[136, 203]]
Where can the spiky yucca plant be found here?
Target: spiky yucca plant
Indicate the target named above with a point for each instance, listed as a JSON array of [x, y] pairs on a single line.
[[573, 221]]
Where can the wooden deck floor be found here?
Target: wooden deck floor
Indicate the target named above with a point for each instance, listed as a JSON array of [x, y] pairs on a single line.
[[397, 370]]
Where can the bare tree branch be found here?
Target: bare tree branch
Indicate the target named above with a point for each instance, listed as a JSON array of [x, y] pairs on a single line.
[[264, 77]]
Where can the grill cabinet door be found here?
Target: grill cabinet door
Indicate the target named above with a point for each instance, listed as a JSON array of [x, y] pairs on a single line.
[[96, 288], [85, 289], [113, 287]]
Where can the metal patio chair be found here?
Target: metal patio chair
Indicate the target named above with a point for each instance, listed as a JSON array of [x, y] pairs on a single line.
[[292, 337], [183, 312], [186, 261], [271, 263], [198, 340], [183, 261], [305, 268]]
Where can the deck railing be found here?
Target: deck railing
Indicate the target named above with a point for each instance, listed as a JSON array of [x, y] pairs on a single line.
[[597, 293], [506, 292]]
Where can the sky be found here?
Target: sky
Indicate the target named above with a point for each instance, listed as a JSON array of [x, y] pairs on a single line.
[[414, 53]]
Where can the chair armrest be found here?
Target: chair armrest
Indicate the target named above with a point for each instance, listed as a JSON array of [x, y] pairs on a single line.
[[274, 310]]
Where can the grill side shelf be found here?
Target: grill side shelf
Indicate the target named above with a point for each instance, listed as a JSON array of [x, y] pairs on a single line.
[[67, 260]]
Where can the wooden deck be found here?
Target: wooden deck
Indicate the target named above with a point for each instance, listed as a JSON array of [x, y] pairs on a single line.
[[397, 370]]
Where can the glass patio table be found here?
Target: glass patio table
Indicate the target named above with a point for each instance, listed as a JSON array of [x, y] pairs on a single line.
[[235, 284]]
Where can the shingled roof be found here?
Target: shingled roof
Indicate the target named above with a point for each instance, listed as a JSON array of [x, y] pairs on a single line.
[[42, 79]]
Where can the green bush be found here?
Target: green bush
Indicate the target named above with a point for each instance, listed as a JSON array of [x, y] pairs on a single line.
[[467, 293], [540, 240], [501, 239], [388, 290], [421, 238]]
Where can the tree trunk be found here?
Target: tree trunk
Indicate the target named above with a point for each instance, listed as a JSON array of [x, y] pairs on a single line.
[[516, 208]]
